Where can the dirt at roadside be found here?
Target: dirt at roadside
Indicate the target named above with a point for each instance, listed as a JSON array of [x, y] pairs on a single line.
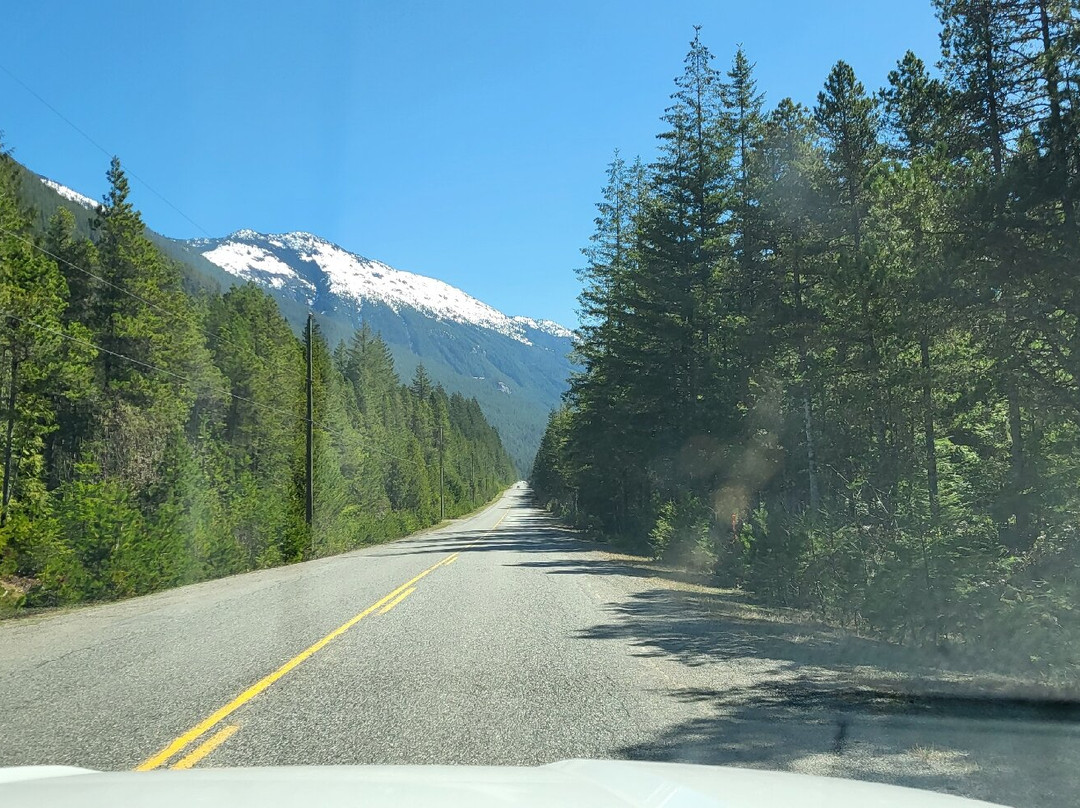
[[775, 688]]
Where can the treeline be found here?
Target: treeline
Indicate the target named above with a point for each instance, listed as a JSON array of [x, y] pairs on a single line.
[[833, 353], [154, 436]]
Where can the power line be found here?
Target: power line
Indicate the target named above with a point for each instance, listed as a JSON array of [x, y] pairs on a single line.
[[329, 430], [204, 332], [106, 152], [146, 365], [117, 287], [102, 149]]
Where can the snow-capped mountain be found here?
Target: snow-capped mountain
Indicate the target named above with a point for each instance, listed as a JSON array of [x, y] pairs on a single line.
[[271, 260], [70, 195], [517, 367]]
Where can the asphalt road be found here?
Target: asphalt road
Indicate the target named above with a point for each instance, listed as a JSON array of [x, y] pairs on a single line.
[[503, 639]]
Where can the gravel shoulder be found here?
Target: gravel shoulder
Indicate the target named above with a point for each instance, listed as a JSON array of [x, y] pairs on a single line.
[[775, 689]]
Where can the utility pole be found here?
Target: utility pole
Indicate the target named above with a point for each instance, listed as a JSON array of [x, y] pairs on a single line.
[[10, 438], [310, 499], [442, 488]]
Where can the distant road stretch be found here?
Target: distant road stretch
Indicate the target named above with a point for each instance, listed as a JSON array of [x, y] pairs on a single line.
[[498, 639]]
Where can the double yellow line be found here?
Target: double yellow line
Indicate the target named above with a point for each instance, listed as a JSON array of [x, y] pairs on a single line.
[[386, 603]]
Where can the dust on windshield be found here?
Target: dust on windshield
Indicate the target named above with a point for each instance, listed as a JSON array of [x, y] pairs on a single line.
[[794, 487]]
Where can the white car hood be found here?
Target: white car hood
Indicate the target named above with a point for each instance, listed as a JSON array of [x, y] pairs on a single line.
[[593, 783]]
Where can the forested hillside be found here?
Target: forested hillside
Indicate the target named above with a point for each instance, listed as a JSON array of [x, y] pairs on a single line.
[[516, 381], [832, 353], [155, 436], [516, 368]]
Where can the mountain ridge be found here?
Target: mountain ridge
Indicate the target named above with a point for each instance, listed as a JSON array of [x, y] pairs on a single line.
[[517, 367], [245, 254]]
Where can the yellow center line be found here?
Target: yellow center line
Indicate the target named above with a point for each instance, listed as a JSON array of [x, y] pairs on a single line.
[[493, 527], [398, 599], [219, 715], [206, 747]]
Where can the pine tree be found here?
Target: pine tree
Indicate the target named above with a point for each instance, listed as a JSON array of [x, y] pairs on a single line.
[[745, 292], [744, 107], [147, 332], [977, 40], [33, 296], [78, 404], [608, 308], [889, 399], [794, 248], [421, 384], [848, 126], [685, 237], [916, 108]]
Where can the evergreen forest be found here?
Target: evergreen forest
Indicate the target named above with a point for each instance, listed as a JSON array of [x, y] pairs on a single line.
[[830, 354], [154, 429]]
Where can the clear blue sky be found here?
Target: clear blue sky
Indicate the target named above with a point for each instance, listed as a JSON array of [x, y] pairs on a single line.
[[462, 140]]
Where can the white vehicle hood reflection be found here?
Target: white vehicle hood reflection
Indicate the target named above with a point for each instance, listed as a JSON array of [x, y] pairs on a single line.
[[593, 783]]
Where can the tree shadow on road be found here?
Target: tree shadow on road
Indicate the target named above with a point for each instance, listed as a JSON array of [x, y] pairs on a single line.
[[770, 688], [779, 692], [748, 685], [703, 627], [684, 614], [1016, 753], [528, 534]]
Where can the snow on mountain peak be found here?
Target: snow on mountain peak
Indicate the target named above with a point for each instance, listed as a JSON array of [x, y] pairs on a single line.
[[246, 235], [547, 326], [253, 263], [69, 194], [259, 257]]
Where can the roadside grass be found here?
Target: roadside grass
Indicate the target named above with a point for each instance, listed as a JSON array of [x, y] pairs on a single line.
[[949, 668], [13, 589]]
